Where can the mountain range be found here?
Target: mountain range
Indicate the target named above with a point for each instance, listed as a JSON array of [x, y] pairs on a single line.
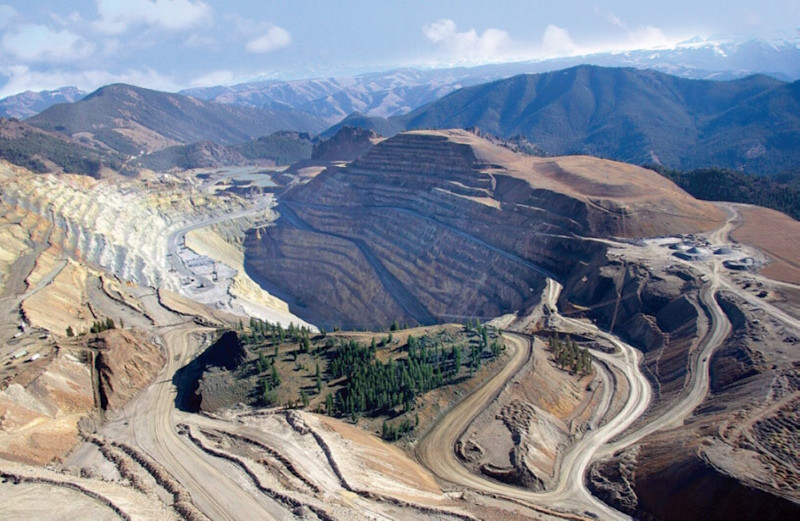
[[396, 92], [399, 91], [27, 104], [638, 116], [750, 124], [134, 120]]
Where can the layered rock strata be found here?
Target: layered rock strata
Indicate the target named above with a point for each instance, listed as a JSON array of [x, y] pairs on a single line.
[[435, 226]]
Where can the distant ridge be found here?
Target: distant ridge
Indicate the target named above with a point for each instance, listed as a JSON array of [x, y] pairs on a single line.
[[377, 124], [637, 116], [41, 151], [279, 148], [27, 104], [133, 120], [396, 92]]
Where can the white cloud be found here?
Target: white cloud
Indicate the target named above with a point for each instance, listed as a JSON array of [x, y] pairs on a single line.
[[468, 46], [648, 37], [274, 38], [22, 78], [615, 20], [213, 79], [33, 43], [7, 14], [173, 15], [642, 37], [198, 41], [557, 42]]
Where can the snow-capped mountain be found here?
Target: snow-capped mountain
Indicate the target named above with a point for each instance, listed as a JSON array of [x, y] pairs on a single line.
[[402, 90], [27, 104], [399, 91]]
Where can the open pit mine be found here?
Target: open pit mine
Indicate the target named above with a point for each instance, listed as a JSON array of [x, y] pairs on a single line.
[[430, 326]]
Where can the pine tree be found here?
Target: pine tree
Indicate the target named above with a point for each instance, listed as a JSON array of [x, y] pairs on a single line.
[[276, 378]]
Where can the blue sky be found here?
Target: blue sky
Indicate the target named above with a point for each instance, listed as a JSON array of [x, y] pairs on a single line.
[[174, 44]]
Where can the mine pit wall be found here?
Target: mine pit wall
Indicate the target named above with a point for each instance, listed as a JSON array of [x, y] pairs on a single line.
[[459, 238], [734, 362], [659, 314], [83, 222], [708, 468], [669, 479], [433, 223], [205, 383]]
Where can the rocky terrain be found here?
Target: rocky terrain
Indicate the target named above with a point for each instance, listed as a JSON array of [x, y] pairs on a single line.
[[396, 220], [132, 370], [77, 252], [435, 226], [712, 462]]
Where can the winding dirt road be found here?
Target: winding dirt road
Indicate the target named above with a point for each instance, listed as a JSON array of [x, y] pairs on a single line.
[[216, 487], [212, 485], [436, 449], [220, 491]]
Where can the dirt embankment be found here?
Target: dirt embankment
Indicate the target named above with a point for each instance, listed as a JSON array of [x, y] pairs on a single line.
[[208, 383], [778, 235], [520, 437], [42, 405], [126, 362], [666, 480], [656, 311]]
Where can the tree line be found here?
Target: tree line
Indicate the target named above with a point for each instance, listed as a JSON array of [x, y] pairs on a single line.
[[569, 356], [780, 192], [374, 387], [98, 326]]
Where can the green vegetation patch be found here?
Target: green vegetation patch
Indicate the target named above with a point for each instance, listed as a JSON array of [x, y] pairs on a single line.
[[31, 151], [375, 377], [780, 193]]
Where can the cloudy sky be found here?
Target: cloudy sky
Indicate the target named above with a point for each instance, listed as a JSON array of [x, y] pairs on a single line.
[[174, 44]]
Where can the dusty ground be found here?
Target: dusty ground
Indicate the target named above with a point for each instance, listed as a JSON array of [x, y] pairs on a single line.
[[149, 460], [23, 500], [776, 234], [520, 436]]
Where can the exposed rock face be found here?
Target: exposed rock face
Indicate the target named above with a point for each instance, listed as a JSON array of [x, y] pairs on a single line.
[[206, 383], [434, 226], [658, 313], [736, 458], [126, 363], [346, 145], [40, 409], [670, 480]]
